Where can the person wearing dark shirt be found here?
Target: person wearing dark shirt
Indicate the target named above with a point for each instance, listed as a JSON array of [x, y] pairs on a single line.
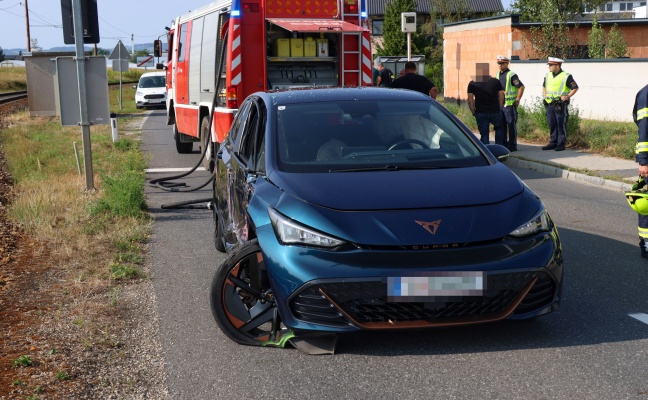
[[557, 88], [415, 82], [485, 100], [384, 76]]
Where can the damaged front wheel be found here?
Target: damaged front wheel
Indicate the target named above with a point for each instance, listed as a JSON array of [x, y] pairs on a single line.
[[243, 303]]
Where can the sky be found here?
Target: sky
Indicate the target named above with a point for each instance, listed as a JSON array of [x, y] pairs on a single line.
[[118, 20]]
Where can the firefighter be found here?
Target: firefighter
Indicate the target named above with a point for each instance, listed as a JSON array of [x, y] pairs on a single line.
[[513, 90], [639, 114], [557, 89]]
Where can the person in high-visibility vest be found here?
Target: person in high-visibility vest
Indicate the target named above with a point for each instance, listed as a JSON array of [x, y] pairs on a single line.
[[513, 90], [640, 116], [557, 90]]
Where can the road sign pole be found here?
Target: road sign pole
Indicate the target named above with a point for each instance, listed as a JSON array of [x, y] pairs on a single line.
[[120, 80], [80, 63]]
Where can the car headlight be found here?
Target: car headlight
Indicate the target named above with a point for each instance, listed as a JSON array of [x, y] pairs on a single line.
[[291, 232], [139, 93], [539, 223]]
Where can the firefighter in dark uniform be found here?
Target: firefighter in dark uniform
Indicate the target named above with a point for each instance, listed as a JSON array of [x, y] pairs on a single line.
[[513, 90], [639, 114], [558, 87]]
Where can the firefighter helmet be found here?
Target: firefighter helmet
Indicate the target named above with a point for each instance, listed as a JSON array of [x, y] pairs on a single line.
[[638, 197]]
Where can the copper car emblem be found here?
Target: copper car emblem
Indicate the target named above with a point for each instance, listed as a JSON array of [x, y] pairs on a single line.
[[430, 226]]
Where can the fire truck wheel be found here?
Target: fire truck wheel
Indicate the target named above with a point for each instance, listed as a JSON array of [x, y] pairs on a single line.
[[245, 314], [205, 142], [218, 232], [181, 147]]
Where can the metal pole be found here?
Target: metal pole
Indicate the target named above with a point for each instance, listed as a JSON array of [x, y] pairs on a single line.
[[409, 47], [80, 62], [120, 73]]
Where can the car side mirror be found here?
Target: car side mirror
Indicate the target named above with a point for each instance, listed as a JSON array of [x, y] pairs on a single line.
[[134, 86], [500, 152]]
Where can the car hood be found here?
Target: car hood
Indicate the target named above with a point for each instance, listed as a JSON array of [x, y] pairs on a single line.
[[160, 90], [399, 190], [437, 208]]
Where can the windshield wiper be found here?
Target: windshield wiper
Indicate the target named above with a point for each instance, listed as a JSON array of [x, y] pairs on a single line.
[[366, 169], [396, 168]]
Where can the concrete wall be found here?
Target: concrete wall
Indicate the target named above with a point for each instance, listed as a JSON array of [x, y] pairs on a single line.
[[607, 88]]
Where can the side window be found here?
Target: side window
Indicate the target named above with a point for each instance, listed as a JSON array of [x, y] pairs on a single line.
[[182, 42], [238, 124], [249, 135]]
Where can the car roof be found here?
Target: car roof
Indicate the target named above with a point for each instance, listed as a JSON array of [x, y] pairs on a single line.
[[338, 94], [153, 74]]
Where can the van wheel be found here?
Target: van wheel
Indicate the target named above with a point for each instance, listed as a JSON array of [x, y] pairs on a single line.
[[182, 148]]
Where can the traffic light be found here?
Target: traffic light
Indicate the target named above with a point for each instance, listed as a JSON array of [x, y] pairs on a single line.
[[90, 21], [157, 48]]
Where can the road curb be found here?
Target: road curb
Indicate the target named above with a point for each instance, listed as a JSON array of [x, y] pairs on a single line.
[[566, 174]]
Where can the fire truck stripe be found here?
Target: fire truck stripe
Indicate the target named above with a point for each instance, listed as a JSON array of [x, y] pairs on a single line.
[[366, 59]]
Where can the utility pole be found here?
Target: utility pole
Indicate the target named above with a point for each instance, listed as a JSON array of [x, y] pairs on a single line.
[[27, 23], [132, 45]]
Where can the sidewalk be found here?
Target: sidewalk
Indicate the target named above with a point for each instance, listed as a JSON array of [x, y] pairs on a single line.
[[608, 172]]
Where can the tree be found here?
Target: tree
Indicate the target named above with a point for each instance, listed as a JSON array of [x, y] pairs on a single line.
[[2, 56], [596, 45], [617, 46], [395, 41], [552, 38], [531, 10]]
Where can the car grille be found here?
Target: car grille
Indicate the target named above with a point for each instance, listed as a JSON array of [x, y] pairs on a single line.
[[365, 302], [154, 96]]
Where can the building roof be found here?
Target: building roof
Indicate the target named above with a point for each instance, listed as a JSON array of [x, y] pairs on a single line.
[[377, 7]]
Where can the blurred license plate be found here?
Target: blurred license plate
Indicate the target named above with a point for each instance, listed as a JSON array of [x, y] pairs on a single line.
[[155, 100], [436, 284]]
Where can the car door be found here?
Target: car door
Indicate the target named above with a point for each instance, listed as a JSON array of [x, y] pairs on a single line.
[[245, 171], [224, 182]]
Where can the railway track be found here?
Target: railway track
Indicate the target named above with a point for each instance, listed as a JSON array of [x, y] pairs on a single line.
[[9, 97]]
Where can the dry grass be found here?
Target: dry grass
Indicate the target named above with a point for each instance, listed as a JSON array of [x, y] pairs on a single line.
[[13, 79]]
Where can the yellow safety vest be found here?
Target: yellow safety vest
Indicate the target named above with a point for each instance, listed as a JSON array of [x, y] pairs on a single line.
[[511, 91], [556, 86]]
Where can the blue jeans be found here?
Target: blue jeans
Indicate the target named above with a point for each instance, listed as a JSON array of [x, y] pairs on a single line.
[[483, 124]]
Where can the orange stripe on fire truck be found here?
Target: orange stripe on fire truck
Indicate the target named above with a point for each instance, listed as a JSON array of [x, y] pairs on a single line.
[[237, 68]]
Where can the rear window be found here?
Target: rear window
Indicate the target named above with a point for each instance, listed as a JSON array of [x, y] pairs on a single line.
[[356, 135]]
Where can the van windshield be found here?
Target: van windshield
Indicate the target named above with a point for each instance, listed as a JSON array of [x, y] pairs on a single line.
[[152, 81]]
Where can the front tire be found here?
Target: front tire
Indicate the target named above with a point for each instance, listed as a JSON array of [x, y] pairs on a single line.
[[245, 314]]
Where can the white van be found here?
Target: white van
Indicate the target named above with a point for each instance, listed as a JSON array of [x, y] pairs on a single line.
[[151, 90]]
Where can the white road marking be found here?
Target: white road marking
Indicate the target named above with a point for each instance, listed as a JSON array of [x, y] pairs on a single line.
[[641, 317], [165, 170]]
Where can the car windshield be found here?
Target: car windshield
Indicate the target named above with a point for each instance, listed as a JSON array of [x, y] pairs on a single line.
[[152, 81], [348, 136]]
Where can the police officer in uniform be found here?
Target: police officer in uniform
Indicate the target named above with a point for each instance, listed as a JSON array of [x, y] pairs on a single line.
[[558, 87], [640, 116], [513, 90]]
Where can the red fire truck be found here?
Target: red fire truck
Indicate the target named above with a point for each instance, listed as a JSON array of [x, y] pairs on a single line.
[[224, 51]]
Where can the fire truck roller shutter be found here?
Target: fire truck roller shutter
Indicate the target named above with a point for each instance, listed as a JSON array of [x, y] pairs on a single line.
[[208, 58], [316, 25], [194, 61]]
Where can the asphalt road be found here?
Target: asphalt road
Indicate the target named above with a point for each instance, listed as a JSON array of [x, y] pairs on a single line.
[[591, 348]]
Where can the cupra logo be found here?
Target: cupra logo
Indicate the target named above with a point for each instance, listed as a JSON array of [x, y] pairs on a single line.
[[430, 226]]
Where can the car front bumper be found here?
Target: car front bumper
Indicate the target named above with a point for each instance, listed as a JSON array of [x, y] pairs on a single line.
[[346, 291]]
